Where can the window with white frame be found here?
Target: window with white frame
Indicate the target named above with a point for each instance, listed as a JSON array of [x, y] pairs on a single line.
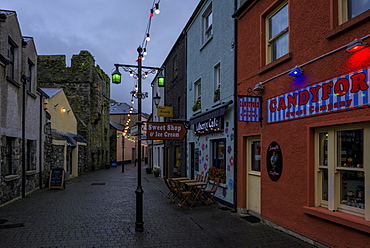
[[207, 23], [11, 57], [197, 95], [349, 9], [277, 34], [343, 168], [217, 82]]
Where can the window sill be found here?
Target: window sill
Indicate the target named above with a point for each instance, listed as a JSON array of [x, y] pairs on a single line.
[[13, 82], [31, 172], [12, 178], [221, 185], [347, 26], [349, 220], [31, 94], [197, 112], [206, 42], [275, 63]]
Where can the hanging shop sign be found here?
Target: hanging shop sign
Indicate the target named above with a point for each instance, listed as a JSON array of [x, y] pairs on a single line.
[[274, 161], [337, 94], [249, 108], [165, 131], [163, 111]]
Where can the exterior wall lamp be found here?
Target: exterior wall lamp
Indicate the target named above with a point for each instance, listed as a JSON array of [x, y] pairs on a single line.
[[156, 99], [356, 45], [296, 72], [259, 87]]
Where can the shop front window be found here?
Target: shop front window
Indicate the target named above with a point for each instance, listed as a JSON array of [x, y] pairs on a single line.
[[343, 166], [218, 154]]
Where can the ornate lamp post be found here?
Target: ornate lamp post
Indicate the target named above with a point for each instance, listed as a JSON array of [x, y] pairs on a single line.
[[139, 75]]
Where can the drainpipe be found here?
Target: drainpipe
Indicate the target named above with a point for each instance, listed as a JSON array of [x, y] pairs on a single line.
[[24, 80], [40, 138], [235, 108]]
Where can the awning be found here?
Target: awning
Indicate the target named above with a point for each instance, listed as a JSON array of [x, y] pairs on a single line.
[[212, 113]]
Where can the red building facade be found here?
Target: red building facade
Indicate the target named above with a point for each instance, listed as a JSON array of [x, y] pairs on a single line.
[[304, 140]]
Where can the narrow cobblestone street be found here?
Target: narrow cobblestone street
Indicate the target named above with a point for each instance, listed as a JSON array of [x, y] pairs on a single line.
[[98, 210]]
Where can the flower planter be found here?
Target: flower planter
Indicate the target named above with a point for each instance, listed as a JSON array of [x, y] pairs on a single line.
[[148, 170]]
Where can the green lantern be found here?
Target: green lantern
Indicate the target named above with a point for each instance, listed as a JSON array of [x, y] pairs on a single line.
[[116, 76], [160, 80]]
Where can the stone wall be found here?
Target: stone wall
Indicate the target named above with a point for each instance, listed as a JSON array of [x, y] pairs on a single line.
[[10, 186], [87, 88]]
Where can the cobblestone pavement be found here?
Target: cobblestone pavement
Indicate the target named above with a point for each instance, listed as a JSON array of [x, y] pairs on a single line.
[[90, 214]]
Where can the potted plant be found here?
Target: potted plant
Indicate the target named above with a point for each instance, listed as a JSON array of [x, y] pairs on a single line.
[[148, 170], [217, 95], [156, 172], [197, 105], [216, 174]]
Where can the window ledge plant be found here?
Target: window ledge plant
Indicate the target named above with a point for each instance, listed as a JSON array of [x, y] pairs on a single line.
[[197, 105], [216, 174]]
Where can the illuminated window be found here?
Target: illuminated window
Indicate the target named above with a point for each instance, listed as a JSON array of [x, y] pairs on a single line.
[[349, 9], [343, 166], [277, 34]]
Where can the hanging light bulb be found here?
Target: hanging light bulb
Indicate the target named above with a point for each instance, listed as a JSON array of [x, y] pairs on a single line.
[[142, 58], [157, 10], [132, 101], [131, 74], [147, 37], [151, 13], [136, 88]]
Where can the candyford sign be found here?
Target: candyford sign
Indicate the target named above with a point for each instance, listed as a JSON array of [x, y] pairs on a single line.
[[341, 93], [249, 108]]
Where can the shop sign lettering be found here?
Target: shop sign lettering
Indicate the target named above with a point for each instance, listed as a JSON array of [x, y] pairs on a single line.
[[211, 124], [165, 131], [337, 94], [249, 109]]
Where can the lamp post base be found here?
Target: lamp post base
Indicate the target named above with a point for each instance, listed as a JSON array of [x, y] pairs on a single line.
[[139, 224]]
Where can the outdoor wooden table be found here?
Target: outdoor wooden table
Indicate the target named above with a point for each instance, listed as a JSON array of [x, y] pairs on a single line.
[[197, 189], [179, 178]]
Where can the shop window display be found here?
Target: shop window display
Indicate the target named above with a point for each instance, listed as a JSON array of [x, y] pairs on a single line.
[[341, 161]]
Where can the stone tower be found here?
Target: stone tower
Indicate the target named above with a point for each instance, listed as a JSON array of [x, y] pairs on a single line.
[[87, 88]]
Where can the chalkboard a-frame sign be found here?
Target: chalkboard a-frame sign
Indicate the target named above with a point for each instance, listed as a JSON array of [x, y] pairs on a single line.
[[56, 178]]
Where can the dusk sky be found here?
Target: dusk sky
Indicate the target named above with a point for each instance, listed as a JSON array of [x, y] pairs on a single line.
[[111, 30]]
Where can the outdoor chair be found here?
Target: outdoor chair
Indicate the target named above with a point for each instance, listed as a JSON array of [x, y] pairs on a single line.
[[175, 188], [166, 180], [185, 197], [209, 193]]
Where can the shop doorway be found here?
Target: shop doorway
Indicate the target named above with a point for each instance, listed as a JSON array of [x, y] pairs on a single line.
[[253, 165]]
